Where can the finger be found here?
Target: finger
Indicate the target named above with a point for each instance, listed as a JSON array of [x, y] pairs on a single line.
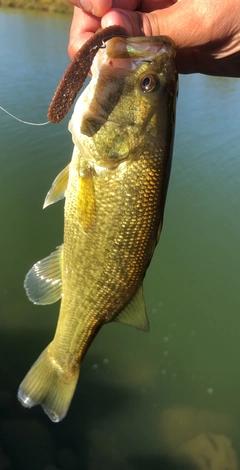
[[181, 21], [193, 61], [99, 8], [127, 4], [95, 7], [152, 5], [187, 31], [84, 25]]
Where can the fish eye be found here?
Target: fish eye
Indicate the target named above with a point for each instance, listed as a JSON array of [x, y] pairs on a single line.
[[149, 83]]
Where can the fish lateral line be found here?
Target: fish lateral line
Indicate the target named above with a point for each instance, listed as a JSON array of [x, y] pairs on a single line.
[[24, 122]]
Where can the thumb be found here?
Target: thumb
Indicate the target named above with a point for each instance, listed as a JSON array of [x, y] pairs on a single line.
[[182, 21]]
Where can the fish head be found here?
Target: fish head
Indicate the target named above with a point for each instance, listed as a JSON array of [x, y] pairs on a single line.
[[133, 86]]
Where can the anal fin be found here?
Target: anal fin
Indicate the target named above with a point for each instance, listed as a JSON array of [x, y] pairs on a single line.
[[135, 312]]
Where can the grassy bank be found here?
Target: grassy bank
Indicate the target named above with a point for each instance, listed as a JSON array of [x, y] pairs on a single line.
[[59, 6]]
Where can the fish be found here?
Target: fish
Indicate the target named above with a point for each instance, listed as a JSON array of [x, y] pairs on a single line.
[[115, 189]]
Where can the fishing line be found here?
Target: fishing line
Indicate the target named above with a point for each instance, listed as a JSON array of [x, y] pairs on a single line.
[[24, 122]]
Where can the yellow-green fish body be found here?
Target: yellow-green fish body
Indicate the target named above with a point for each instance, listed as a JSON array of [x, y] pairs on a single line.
[[115, 189]]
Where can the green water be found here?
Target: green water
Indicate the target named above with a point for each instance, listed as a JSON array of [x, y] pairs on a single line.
[[140, 397]]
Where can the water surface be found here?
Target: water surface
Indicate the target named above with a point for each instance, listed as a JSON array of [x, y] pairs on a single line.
[[140, 396]]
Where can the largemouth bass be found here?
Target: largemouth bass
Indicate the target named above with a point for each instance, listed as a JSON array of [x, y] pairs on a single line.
[[115, 188]]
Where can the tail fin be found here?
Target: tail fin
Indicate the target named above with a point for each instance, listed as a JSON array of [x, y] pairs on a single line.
[[46, 385]]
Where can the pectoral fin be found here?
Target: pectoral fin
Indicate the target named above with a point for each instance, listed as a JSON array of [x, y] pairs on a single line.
[[135, 313], [43, 283], [86, 199], [58, 188]]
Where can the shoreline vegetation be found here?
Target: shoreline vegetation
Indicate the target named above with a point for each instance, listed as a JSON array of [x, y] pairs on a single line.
[[52, 6]]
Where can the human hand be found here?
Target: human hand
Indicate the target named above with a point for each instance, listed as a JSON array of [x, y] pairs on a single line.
[[206, 32]]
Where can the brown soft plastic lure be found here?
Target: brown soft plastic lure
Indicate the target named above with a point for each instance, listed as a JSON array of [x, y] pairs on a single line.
[[76, 73]]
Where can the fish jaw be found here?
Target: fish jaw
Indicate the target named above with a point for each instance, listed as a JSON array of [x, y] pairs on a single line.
[[103, 114]]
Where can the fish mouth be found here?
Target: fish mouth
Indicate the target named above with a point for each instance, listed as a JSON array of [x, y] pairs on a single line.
[[139, 48], [127, 54]]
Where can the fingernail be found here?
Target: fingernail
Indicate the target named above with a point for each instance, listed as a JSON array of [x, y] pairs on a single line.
[[87, 6]]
